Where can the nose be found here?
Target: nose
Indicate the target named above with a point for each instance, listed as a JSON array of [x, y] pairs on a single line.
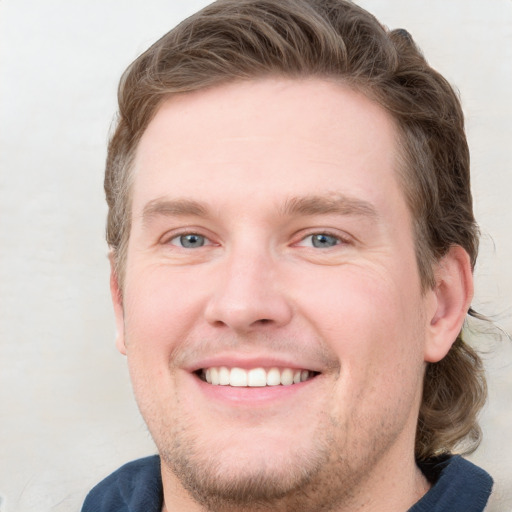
[[249, 294]]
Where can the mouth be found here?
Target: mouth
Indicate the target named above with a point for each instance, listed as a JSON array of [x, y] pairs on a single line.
[[254, 377]]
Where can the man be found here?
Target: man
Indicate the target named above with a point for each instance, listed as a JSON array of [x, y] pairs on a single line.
[[292, 244]]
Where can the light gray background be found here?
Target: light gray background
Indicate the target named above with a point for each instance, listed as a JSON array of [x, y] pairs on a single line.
[[67, 416]]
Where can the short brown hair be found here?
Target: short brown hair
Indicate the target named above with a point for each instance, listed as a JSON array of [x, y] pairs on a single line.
[[246, 39]]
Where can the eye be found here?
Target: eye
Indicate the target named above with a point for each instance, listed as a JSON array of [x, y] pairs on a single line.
[[190, 241], [320, 241]]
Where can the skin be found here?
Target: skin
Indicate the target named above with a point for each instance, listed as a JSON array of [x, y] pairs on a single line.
[[255, 169]]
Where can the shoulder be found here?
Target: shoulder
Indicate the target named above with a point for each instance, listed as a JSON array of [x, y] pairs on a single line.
[[457, 485], [133, 487]]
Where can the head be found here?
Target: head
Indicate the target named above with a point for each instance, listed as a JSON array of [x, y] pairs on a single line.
[[236, 43]]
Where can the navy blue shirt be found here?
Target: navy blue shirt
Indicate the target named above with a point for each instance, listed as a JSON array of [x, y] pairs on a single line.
[[457, 486]]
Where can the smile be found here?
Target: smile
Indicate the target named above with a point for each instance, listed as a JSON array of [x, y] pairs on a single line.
[[255, 377]]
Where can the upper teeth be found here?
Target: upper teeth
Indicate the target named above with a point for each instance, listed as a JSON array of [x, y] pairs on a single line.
[[256, 377]]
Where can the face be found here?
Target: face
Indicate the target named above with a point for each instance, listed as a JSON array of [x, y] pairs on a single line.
[[272, 311]]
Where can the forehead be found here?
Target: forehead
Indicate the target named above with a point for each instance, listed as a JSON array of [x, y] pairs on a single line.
[[267, 138]]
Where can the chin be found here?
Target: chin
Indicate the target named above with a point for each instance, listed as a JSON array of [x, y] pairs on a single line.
[[236, 485], [269, 472]]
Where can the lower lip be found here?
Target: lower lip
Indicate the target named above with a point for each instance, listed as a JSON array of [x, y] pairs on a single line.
[[252, 396]]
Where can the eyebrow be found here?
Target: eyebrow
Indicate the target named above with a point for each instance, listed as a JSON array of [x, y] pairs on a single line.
[[321, 205], [173, 208], [302, 205]]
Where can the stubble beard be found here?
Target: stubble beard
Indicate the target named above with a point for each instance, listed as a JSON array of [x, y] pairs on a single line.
[[310, 480]]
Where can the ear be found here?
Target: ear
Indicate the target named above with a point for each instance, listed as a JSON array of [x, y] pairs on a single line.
[[452, 297], [117, 301]]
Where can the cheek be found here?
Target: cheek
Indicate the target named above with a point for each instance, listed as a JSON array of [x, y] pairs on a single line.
[[354, 301], [373, 322], [375, 332], [157, 316], [161, 310]]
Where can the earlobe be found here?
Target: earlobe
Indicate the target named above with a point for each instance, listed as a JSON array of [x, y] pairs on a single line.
[[117, 302], [452, 296]]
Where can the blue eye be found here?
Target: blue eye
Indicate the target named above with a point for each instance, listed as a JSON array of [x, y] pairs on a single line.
[[322, 240], [189, 241]]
